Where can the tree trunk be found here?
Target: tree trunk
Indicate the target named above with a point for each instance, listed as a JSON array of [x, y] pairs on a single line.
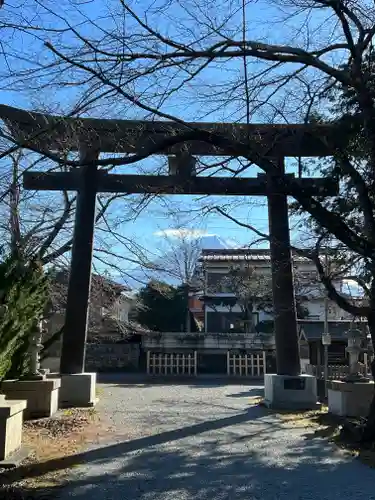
[[369, 430]]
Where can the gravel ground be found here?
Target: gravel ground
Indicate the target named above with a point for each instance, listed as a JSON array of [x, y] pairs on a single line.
[[202, 441]]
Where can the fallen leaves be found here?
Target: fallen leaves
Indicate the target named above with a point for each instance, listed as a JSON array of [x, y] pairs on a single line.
[[67, 422], [50, 439], [301, 419]]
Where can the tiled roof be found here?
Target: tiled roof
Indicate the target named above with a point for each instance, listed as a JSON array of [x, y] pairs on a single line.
[[240, 254]]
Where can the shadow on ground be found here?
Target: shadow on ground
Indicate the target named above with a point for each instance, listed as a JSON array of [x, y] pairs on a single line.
[[121, 449], [159, 474], [254, 392], [168, 466]]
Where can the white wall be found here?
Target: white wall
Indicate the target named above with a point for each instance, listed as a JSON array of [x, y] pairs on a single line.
[[312, 288], [316, 310]]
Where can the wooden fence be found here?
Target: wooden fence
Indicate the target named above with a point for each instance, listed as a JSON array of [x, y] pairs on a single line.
[[171, 363], [243, 365], [246, 365]]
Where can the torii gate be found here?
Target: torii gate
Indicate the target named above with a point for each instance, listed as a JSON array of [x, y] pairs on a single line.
[[92, 136]]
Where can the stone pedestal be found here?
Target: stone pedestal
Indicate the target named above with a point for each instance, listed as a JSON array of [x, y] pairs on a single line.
[[42, 396], [290, 393], [78, 390], [11, 418], [349, 399]]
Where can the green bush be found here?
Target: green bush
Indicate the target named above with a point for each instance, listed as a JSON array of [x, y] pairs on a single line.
[[23, 298]]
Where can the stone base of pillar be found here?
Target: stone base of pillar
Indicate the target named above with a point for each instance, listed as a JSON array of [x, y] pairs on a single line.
[[42, 396], [77, 390], [11, 418], [285, 392], [348, 399]]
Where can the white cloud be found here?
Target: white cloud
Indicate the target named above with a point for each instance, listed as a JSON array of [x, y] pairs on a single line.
[[181, 233]]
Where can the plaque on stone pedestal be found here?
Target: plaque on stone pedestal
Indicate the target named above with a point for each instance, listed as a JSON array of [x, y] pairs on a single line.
[[295, 384], [290, 392]]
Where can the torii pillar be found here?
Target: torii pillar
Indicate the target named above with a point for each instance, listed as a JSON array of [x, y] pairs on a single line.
[[78, 388], [287, 388], [285, 317]]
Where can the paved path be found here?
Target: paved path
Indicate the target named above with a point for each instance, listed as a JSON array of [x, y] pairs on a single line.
[[202, 442]]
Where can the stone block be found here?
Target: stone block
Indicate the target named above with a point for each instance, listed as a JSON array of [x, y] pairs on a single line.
[[42, 396], [78, 390], [350, 399], [11, 419], [290, 393]]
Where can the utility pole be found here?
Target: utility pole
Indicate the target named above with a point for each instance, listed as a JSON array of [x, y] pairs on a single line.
[[326, 338], [187, 313]]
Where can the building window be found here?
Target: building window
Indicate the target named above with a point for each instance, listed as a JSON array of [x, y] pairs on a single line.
[[221, 322], [227, 322]]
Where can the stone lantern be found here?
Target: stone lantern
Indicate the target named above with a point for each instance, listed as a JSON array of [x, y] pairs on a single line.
[[369, 352], [370, 347], [354, 349], [34, 371], [41, 394]]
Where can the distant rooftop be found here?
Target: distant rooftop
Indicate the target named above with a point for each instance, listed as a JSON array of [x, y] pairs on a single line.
[[241, 254]]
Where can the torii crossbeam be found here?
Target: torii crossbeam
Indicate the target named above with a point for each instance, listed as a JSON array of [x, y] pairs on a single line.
[[52, 133]]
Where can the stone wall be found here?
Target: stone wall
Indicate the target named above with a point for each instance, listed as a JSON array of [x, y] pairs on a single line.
[[112, 357], [208, 341], [103, 357]]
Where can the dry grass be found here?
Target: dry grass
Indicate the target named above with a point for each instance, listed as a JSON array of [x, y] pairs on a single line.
[[51, 439], [256, 401], [325, 425], [58, 436], [320, 423], [99, 391], [364, 451], [310, 418]]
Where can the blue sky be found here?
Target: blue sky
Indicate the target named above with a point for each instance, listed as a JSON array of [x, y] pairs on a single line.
[[157, 217]]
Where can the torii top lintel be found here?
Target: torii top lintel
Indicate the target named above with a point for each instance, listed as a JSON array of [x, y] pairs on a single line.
[[51, 132]]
